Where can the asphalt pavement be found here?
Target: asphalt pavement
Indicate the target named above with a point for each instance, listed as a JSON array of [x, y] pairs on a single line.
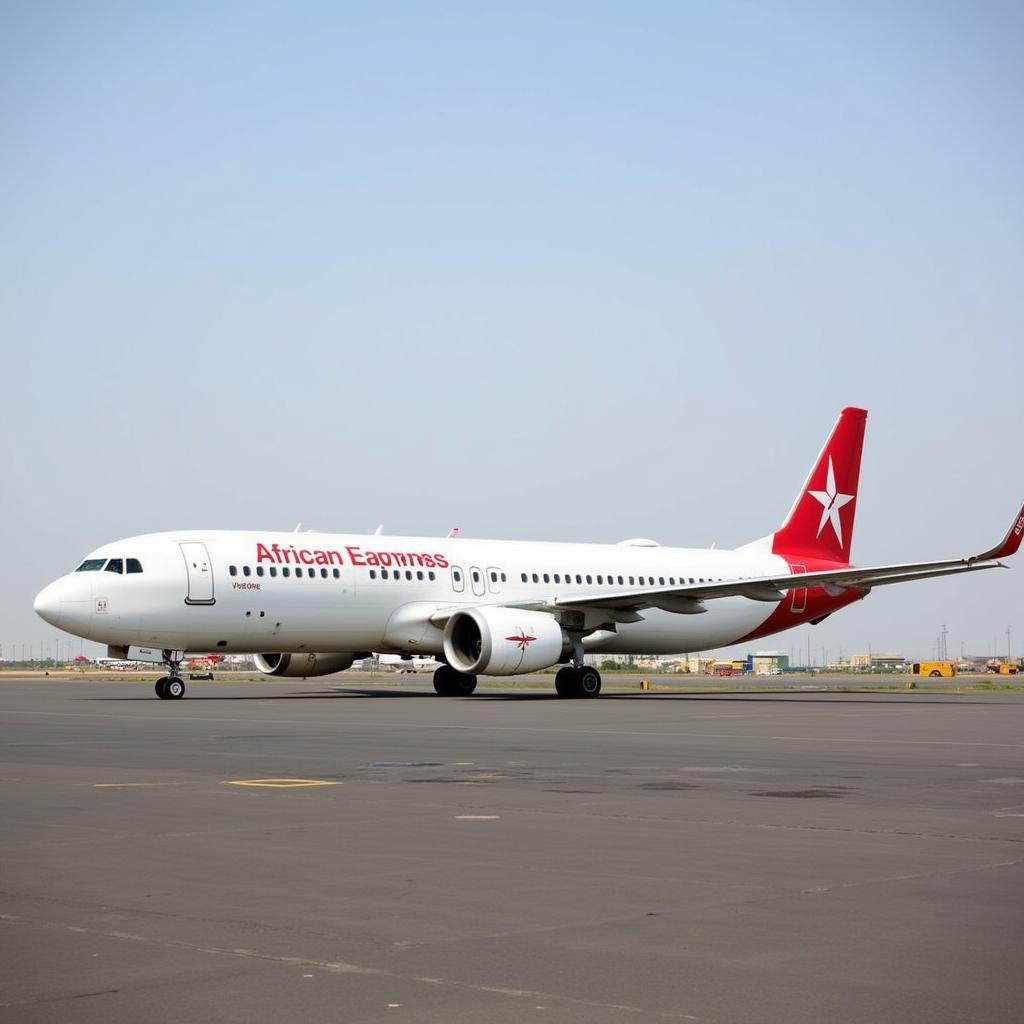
[[347, 852]]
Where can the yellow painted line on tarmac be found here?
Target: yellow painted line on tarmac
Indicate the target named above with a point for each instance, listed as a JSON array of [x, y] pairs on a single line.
[[280, 783]]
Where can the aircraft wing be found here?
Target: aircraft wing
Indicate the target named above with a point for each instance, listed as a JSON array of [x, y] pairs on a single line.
[[689, 598]]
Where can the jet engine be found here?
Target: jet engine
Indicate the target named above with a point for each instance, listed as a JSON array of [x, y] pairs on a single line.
[[302, 666], [502, 641]]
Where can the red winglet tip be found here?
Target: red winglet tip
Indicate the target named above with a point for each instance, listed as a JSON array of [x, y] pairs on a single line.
[[1011, 542]]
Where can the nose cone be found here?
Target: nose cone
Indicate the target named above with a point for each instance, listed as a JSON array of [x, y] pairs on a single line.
[[47, 604]]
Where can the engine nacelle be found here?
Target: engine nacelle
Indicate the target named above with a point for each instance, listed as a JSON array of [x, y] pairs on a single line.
[[302, 666], [503, 641]]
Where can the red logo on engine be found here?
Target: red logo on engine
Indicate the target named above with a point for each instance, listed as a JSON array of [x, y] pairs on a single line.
[[523, 639]]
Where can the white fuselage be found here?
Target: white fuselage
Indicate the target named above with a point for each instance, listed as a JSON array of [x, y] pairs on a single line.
[[233, 591]]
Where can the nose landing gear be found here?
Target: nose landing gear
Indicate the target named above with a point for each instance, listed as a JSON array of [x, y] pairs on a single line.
[[171, 686]]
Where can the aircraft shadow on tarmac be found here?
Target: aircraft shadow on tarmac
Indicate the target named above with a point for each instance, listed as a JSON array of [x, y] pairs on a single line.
[[728, 696]]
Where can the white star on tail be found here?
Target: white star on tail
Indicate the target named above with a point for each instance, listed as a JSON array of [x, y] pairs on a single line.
[[831, 503]]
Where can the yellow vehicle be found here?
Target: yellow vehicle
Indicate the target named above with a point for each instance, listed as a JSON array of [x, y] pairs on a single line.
[[933, 668], [1008, 669]]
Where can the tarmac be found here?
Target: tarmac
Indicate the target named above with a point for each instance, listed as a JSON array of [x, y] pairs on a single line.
[[337, 850]]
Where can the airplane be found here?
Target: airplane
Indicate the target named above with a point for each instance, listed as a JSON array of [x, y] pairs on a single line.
[[311, 604], [406, 664]]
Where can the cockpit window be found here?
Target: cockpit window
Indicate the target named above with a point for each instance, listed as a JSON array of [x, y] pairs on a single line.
[[133, 565], [91, 565], [115, 565]]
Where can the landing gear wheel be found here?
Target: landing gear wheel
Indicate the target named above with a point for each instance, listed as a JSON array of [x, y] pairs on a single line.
[[170, 686], [588, 682], [578, 682], [449, 683], [565, 682]]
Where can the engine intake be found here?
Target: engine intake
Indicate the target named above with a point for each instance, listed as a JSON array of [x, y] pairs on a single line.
[[503, 641], [302, 666]]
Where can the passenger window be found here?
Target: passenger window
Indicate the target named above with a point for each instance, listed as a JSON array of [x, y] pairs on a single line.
[[430, 575], [558, 579], [373, 574], [323, 574], [232, 570], [419, 574], [337, 574], [631, 581], [458, 582], [91, 565], [476, 576], [133, 565], [115, 565], [408, 574], [504, 578], [671, 581], [535, 579], [547, 578], [579, 578], [590, 579], [259, 570], [661, 581], [494, 576], [524, 577], [600, 579], [285, 571], [298, 571], [246, 571], [384, 574], [273, 570]]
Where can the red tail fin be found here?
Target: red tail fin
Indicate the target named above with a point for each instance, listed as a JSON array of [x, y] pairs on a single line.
[[820, 523]]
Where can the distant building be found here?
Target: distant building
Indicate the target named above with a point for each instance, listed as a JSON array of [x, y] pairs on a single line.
[[878, 662], [697, 665], [769, 663]]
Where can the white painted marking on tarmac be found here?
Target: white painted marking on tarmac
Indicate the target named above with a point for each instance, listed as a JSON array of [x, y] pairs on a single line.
[[477, 817], [1008, 781], [966, 764], [337, 967], [135, 785]]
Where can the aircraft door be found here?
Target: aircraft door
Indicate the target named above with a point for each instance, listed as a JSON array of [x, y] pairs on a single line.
[[798, 595], [200, 573]]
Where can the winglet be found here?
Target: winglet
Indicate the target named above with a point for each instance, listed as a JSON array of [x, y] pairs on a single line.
[[1009, 544]]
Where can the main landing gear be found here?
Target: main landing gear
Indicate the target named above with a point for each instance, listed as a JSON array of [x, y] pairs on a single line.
[[578, 681], [171, 686], [449, 683]]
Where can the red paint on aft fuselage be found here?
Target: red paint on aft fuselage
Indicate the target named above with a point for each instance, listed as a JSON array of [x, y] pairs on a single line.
[[803, 605]]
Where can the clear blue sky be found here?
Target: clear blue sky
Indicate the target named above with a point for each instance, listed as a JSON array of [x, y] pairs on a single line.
[[545, 270]]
